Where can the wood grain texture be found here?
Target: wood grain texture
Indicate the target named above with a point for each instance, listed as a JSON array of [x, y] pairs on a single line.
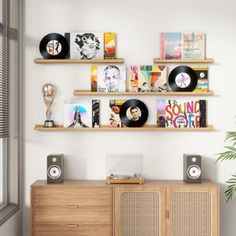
[[72, 230]]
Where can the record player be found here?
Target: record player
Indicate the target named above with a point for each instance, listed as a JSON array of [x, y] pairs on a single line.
[[124, 169]]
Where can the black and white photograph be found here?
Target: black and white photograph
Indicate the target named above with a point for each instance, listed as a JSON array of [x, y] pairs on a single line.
[[86, 45]]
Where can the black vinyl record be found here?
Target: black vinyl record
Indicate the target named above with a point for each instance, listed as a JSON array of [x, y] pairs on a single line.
[[133, 113], [183, 78], [53, 46]]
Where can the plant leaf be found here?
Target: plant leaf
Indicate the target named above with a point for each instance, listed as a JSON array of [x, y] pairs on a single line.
[[231, 188]]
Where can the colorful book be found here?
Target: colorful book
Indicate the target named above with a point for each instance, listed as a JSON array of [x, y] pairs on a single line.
[[181, 114], [202, 75], [171, 45], [114, 119], [144, 78], [111, 78], [109, 45], [81, 113], [94, 74], [158, 79], [134, 78], [86, 45], [193, 45]]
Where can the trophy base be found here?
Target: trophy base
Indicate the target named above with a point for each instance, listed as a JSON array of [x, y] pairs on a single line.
[[48, 124]]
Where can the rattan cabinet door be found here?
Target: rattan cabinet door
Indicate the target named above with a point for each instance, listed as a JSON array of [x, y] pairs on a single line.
[[193, 211], [139, 211]]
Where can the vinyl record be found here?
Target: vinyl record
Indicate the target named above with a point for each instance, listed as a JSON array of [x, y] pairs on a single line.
[[183, 78], [133, 113], [53, 46]]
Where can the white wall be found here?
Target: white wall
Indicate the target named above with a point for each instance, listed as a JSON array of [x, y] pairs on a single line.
[[137, 24]]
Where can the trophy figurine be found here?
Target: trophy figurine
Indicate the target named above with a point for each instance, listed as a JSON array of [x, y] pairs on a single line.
[[48, 91]]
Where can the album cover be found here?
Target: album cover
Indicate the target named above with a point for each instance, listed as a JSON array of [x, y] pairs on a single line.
[[95, 113], [134, 78], [77, 113], [114, 119], [109, 45], [144, 78], [171, 45], [181, 113], [111, 78], [86, 45], [202, 76], [93, 77], [193, 45], [158, 79]]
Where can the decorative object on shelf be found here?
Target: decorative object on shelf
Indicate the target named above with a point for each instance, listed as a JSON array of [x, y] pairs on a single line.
[[202, 78], [110, 78], [133, 113], [124, 168], [81, 113], [86, 45], [109, 45], [180, 114], [192, 169], [53, 46], [55, 168], [48, 91], [229, 155], [114, 120], [186, 45], [148, 78], [183, 78]]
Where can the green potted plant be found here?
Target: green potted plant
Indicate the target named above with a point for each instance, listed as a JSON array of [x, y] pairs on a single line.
[[229, 154]]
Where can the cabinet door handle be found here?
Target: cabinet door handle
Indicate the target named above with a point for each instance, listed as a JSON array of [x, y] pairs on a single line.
[[72, 225], [72, 206]]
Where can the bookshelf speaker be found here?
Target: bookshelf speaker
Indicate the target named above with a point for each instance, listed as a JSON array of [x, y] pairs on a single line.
[[192, 170], [55, 168]]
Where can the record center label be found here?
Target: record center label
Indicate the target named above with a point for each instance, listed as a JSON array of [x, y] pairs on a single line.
[[183, 80], [54, 47]]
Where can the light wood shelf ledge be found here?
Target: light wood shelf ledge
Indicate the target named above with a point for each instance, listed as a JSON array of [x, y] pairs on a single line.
[[183, 61], [82, 61], [40, 127], [78, 92]]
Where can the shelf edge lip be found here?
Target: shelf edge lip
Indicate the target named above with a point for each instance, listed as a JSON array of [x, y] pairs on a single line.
[[79, 61], [86, 92], [206, 60], [39, 127]]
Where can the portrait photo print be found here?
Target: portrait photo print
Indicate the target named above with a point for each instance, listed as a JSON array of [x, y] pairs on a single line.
[[86, 45], [111, 78]]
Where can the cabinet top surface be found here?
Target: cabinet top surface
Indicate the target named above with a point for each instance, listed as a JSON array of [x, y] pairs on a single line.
[[102, 183]]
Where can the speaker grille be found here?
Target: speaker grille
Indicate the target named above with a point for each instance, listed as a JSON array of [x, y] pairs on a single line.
[[191, 214], [140, 214]]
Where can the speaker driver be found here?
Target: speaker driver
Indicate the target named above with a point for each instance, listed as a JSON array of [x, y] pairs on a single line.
[[193, 172], [54, 172]]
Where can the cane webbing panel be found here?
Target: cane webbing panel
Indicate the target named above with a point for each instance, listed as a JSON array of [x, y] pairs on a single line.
[[140, 214], [191, 214]]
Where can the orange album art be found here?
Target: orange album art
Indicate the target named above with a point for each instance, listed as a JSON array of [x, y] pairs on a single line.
[[109, 45]]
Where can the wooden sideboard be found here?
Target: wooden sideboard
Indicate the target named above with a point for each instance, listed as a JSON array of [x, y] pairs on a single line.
[[155, 208]]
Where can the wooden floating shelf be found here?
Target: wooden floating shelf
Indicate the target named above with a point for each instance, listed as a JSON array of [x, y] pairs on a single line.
[[83, 61], [89, 93], [206, 60], [107, 128]]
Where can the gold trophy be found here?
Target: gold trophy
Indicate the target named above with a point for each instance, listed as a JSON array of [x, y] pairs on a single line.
[[48, 91]]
